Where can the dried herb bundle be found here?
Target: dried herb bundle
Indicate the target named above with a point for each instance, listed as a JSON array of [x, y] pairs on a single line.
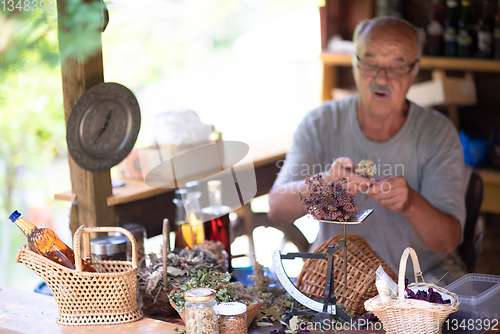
[[328, 201], [276, 302], [206, 279], [179, 264], [366, 168]]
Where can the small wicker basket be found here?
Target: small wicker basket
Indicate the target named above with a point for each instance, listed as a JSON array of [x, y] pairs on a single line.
[[362, 264], [412, 316], [84, 298]]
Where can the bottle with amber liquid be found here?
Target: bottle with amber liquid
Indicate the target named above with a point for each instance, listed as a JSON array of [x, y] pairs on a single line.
[[45, 242], [193, 211], [184, 236]]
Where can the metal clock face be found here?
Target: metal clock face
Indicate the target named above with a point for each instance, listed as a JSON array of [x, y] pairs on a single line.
[[103, 126]]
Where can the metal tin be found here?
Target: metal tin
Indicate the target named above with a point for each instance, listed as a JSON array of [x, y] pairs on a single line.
[[109, 248]]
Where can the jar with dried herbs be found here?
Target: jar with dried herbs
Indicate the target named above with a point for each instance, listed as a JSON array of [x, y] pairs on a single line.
[[200, 313], [232, 318]]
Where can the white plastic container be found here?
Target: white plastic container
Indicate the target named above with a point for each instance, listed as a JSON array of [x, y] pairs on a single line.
[[479, 310]]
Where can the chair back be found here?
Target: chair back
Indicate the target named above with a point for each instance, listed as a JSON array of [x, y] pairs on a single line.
[[469, 249]]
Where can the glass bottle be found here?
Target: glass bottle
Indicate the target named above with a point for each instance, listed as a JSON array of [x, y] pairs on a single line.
[[465, 37], [216, 216], [45, 242], [183, 232], [450, 29], [382, 8], [497, 32], [200, 313], [193, 210], [485, 32], [232, 318], [435, 29], [397, 8]]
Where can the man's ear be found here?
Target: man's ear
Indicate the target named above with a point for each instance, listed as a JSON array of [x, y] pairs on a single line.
[[416, 68]]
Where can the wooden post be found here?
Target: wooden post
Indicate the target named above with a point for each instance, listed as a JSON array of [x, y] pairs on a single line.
[[91, 189]]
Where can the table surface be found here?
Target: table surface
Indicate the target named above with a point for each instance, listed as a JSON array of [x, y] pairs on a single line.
[[30, 313]]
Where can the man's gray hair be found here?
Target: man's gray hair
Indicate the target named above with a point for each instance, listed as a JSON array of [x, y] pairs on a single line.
[[363, 25]]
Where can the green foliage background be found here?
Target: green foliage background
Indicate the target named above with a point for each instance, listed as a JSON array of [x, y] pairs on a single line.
[[32, 128]]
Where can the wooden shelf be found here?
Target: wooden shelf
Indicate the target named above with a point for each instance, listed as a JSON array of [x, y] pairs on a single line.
[[427, 63]]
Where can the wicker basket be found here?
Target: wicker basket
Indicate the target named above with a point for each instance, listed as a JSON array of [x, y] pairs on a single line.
[[84, 298], [408, 315], [362, 264]]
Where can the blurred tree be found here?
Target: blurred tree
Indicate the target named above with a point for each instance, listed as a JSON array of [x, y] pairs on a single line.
[[31, 113]]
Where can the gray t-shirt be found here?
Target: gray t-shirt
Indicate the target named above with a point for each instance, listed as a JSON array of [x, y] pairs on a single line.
[[426, 151]]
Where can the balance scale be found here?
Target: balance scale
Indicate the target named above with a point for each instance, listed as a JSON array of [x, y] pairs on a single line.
[[323, 311]]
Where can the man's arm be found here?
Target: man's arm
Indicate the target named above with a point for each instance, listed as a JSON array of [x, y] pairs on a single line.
[[438, 230], [284, 202]]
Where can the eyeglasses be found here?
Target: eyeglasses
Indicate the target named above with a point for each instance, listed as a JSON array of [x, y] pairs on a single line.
[[394, 73]]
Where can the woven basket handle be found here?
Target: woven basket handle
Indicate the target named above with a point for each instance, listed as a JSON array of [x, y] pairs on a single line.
[[83, 229], [402, 271]]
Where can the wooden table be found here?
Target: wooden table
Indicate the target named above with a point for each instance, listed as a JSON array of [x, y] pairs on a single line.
[[137, 202], [34, 313]]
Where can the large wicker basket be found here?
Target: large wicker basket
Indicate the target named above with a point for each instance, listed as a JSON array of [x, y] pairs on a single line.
[[362, 264], [85, 298], [412, 316]]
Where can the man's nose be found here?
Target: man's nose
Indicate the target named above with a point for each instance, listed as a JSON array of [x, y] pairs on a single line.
[[382, 74]]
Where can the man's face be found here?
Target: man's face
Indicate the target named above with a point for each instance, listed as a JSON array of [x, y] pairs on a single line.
[[392, 51]]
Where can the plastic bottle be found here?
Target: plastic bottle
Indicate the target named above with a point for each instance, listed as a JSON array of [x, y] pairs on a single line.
[[45, 242]]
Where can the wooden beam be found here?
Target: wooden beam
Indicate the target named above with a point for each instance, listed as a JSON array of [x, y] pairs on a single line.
[[91, 189]]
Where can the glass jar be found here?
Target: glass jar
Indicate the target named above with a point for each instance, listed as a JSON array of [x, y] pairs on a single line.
[[109, 248], [200, 313], [139, 233], [232, 318]]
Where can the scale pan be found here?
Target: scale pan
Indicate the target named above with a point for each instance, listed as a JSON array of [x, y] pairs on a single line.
[[358, 218]]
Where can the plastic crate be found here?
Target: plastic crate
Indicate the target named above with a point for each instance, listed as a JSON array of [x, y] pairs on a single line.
[[479, 310]]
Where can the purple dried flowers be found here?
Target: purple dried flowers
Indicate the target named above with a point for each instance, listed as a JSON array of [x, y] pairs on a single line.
[[328, 201], [430, 296]]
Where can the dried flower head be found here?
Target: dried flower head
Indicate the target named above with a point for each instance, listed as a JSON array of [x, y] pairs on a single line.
[[366, 168], [329, 201]]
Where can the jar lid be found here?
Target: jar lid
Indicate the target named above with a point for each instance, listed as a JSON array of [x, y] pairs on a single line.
[[213, 185], [232, 308], [108, 245], [199, 294]]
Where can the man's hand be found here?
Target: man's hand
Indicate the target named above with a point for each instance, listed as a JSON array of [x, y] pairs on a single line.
[[393, 193], [344, 168]]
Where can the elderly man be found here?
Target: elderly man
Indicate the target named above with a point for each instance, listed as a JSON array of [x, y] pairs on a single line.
[[418, 195]]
